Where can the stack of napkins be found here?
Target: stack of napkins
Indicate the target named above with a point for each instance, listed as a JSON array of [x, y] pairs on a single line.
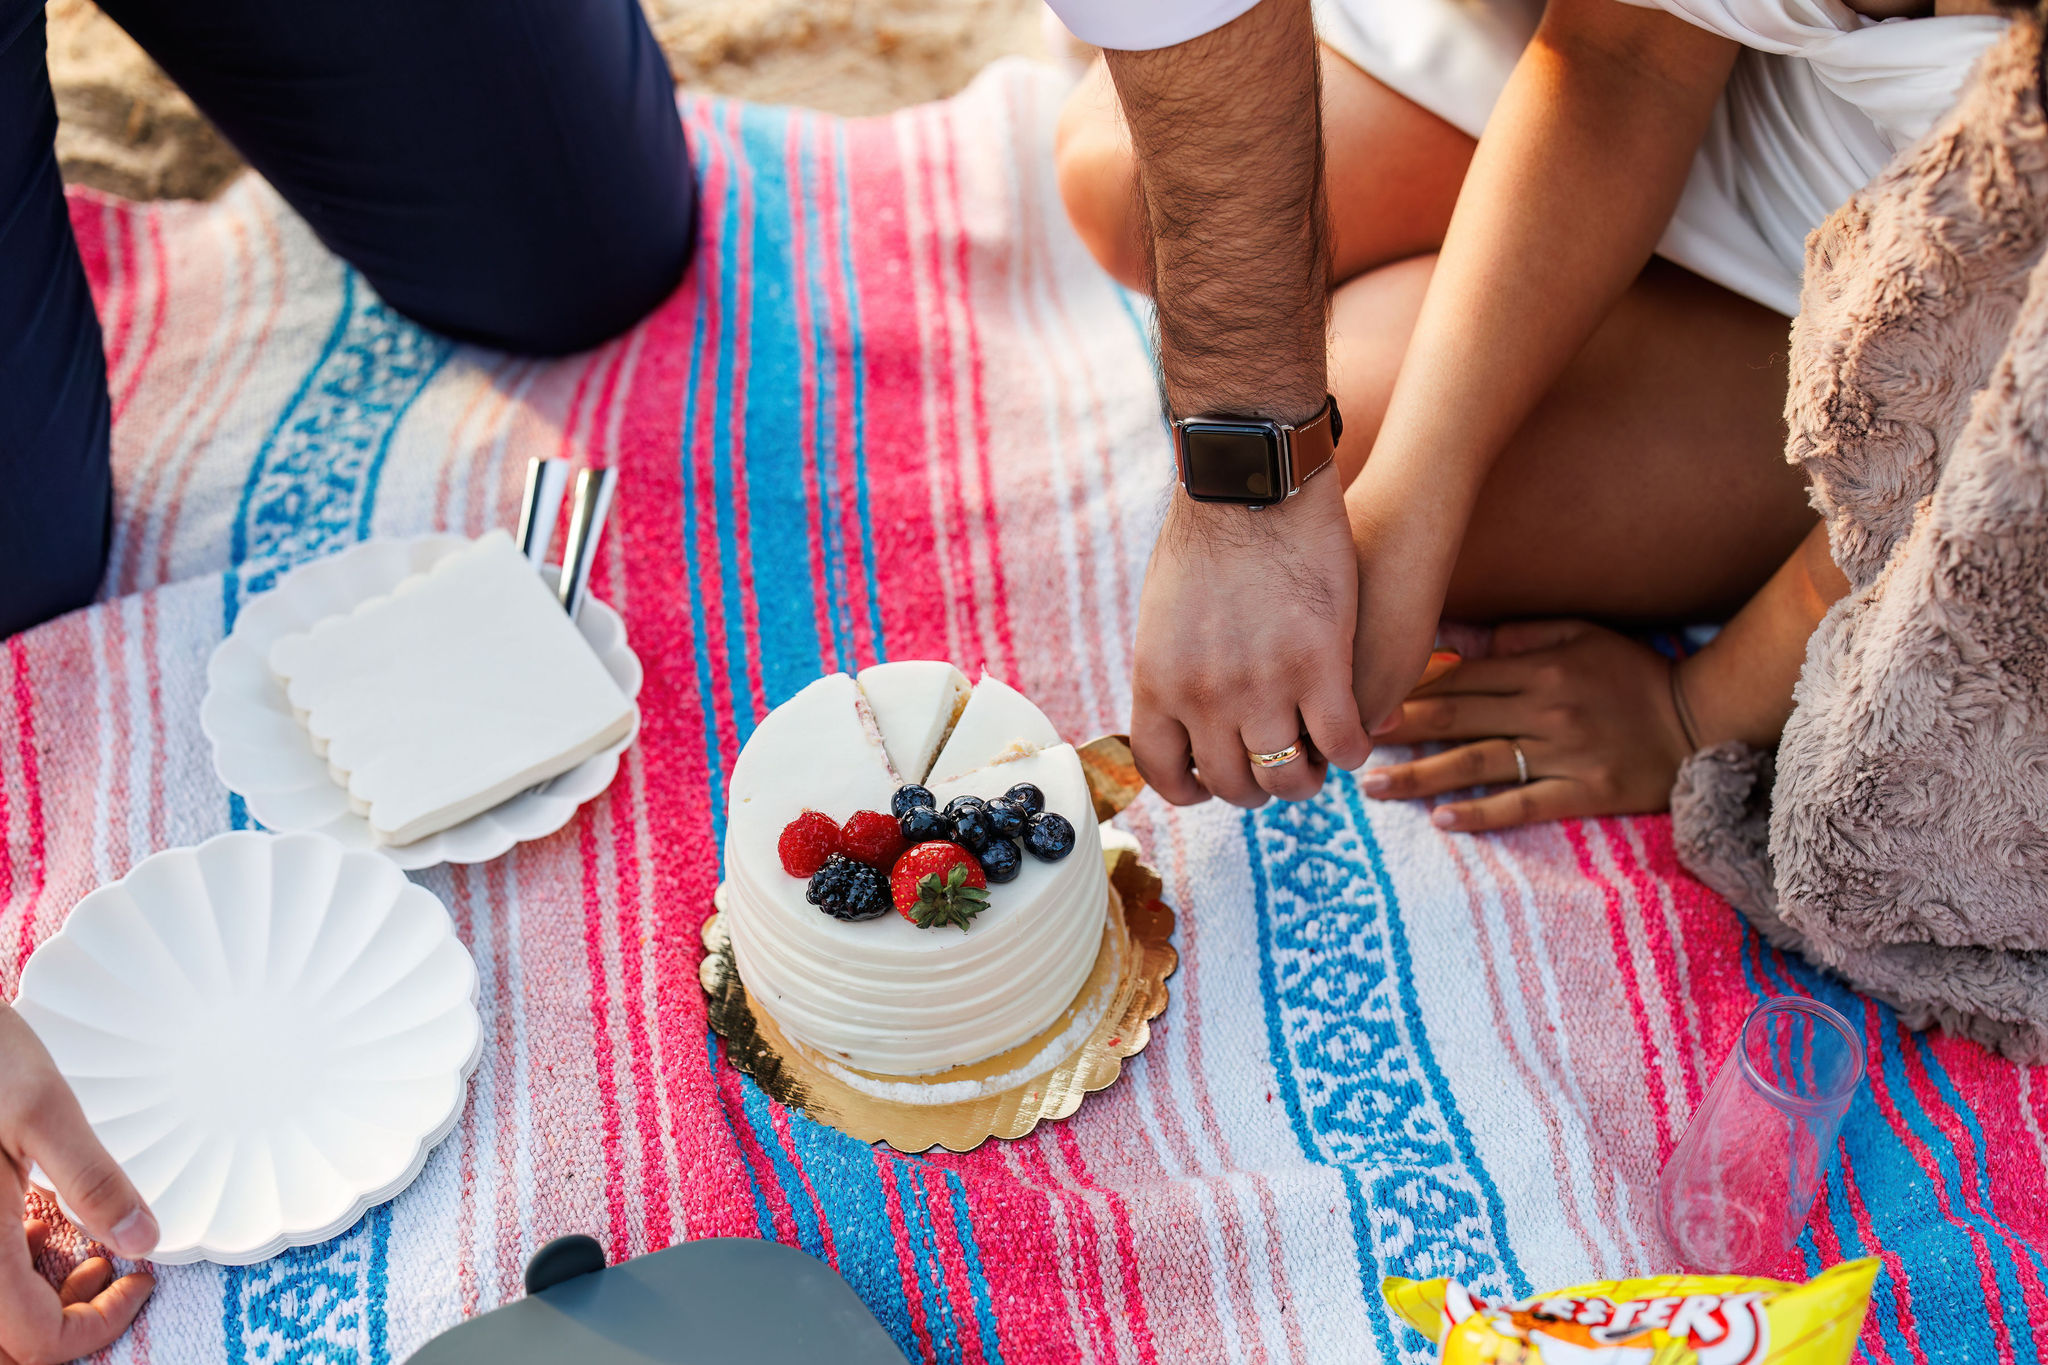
[[460, 688]]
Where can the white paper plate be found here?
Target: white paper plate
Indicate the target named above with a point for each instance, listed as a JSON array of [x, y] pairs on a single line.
[[261, 751], [268, 1032]]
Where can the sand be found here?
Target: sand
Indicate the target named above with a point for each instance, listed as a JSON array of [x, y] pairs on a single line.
[[124, 127]]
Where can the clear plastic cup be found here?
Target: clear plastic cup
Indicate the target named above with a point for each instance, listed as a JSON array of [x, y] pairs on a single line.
[[1735, 1194]]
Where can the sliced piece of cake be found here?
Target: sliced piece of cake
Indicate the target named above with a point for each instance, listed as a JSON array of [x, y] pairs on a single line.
[[999, 723], [458, 689], [914, 703]]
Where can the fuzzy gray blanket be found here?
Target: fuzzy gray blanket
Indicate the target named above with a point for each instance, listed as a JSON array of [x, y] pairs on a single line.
[[1903, 838]]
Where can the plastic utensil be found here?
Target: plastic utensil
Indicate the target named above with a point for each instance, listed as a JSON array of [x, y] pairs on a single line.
[[590, 504], [546, 482], [1736, 1192]]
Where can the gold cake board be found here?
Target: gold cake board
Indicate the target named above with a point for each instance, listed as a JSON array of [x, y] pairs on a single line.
[[1046, 1077]]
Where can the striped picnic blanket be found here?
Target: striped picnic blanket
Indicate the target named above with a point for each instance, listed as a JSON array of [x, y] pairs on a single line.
[[894, 411]]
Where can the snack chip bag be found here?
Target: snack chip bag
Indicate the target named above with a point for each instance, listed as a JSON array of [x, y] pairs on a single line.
[[1657, 1320]]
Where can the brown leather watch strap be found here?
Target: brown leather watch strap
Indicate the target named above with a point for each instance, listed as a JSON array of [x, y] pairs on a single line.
[[1313, 444]]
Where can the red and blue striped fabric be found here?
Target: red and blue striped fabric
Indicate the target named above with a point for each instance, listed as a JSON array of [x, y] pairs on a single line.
[[894, 411]]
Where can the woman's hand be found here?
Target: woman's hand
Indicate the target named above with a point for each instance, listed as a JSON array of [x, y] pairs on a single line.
[[1244, 646], [1591, 710], [41, 1123]]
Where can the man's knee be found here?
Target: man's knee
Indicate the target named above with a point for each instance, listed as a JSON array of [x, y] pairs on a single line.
[[1098, 180], [554, 283]]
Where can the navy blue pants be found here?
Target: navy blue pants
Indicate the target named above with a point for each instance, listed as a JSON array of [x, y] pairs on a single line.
[[509, 172]]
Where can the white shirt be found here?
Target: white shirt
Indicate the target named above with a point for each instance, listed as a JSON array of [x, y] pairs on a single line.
[[1819, 102]]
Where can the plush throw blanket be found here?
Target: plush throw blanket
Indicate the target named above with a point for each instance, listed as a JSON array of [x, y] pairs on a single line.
[[1903, 838]]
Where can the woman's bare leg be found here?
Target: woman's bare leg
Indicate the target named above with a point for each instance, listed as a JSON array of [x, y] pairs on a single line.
[[1650, 484]]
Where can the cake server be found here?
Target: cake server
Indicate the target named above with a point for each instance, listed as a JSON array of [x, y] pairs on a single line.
[[587, 510], [546, 481]]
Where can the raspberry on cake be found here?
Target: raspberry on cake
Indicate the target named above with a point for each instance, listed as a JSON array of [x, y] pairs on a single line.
[[807, 842], [873, 838], [881, 994]]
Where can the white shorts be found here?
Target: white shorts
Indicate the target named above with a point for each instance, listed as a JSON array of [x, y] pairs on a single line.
[[1812, 110]]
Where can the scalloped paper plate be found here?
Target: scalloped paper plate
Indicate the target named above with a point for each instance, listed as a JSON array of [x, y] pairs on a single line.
[[262, 753], [268, 1032]]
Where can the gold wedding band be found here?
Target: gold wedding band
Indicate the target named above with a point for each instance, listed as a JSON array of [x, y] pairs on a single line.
[[1279, 758], [1521, 762]]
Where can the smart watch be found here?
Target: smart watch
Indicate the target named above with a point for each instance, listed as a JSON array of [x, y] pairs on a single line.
[[1253, 461]]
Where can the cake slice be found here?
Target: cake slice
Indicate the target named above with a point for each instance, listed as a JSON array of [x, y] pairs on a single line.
[[998, 723], [458, 689], [915, 703], [810, 753]]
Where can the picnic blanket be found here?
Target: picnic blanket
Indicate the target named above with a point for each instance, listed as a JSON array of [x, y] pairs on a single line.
[[895, 411]]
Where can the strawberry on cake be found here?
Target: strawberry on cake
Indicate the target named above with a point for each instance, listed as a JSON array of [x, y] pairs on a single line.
[[914, 873]]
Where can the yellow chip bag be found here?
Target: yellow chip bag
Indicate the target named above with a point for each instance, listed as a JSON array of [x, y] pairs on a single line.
[[1656, 1320]]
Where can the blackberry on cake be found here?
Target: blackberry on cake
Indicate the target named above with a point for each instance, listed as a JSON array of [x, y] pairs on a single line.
[[845, 889]]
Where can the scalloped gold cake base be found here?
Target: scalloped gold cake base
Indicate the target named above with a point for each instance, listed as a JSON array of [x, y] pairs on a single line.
[[1004, 1096]]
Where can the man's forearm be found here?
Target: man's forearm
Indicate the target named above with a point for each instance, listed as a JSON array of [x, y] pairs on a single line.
[[1228, 133]]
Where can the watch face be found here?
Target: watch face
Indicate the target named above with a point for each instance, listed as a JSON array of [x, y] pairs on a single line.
[[1231, 461]]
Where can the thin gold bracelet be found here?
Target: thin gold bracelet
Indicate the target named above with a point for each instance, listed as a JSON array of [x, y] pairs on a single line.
[[1692, 735]]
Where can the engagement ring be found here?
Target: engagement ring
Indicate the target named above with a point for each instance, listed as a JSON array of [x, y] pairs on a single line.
[[1278, 758]]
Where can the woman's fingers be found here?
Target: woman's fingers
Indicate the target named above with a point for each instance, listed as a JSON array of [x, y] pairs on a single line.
[[1458, 716], [1159, 746], [1441, 663], [38, 1236], [1479, 677], [1487, 763], [1526, 637], [1552, 798]]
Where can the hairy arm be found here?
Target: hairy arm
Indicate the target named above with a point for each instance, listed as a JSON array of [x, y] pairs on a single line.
[[1245, 625], [1571, 186], [1228, 134]]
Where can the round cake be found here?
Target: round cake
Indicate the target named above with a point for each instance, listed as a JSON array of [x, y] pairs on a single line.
[[871, 910]]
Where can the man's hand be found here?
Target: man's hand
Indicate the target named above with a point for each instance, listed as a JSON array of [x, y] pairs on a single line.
[[41, 1124], [1244, 645], [1245, 626]]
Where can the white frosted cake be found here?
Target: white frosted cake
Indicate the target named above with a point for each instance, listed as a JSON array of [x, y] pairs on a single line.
[[865, 982], [461, 687]]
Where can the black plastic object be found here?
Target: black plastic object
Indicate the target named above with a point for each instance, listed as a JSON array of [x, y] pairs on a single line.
[[714, 1302], [563, 1259]]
